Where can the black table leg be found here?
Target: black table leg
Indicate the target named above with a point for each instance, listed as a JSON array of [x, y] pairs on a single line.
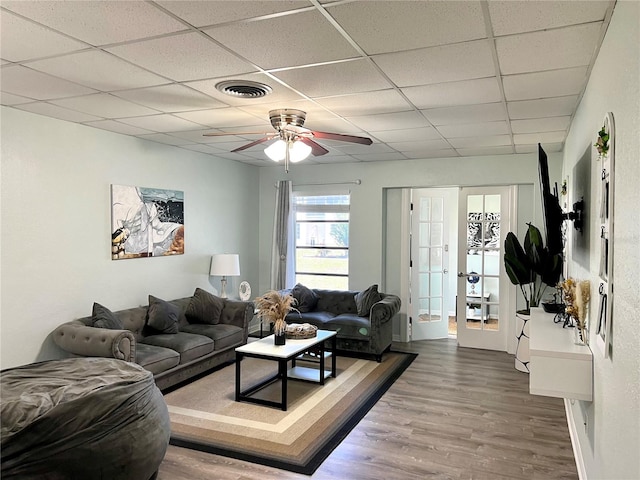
[[282, 367], [238, 360]]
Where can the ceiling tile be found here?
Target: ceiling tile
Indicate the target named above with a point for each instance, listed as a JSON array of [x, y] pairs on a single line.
[[544, 137], [331, 158], [104, 105], [485, 141], [419, 154], [117, 127], [203, 149], [170, 98], [466, 114], [461, 61], [418, 145], [407, 134], [526, 16], [547, 50], [556, 83], [221, 118], [546, 107], [380, 157], [161, 123], [279, 93], [334, 79], [99, 70], [369, 103], [164, 138], [533, 147], [534, 125], [200, 14], [358, 149], [197, 136], [183, 57], [474, 129], [389, 121], [473, 152], [466, 92], [55, 111], [25, 82], [10, 99], [390, 26], [299, 33], [42, 41], [102, 22]]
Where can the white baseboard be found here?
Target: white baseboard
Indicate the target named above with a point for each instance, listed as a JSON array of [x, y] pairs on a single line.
[[575, 443]]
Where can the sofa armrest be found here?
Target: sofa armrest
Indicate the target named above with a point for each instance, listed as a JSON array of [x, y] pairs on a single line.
[[238, 313], [385, 309], [86, 341]]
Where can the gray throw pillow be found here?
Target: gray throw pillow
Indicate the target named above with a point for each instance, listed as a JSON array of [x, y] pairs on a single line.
[[306, 299], [204, 307], [366, 299], [104, 318], [162, 315]]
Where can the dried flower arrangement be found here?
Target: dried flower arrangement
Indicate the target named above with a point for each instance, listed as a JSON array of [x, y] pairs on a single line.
[[273, 307], [576, 297], [602, 144]]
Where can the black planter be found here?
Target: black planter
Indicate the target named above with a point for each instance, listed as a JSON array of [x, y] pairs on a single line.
[[280, 339]]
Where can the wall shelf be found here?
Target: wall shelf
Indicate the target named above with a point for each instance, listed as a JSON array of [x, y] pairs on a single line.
[[558, 367]]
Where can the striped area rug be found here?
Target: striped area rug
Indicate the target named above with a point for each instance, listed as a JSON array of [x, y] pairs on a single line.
[[205, 416]]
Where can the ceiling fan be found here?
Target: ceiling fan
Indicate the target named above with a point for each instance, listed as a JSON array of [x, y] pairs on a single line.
[[295, 142]]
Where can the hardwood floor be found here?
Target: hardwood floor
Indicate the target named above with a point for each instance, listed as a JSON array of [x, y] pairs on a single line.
[[455, 413]]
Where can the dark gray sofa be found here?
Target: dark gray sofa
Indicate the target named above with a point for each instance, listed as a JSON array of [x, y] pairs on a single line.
[[368, 331], [196, 342]]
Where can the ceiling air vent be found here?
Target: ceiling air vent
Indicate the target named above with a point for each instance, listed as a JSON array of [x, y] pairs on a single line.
[[244, 88]]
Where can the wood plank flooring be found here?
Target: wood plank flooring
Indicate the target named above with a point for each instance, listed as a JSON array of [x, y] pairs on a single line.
[[455, 413]]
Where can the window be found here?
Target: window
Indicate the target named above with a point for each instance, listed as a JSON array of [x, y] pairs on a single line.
[[322, 241]]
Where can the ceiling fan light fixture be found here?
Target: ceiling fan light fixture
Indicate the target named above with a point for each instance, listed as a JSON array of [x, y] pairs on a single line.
[[298, 151], [276, 151]]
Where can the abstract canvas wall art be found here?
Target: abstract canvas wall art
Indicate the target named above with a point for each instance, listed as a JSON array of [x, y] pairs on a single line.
[[146, 222]]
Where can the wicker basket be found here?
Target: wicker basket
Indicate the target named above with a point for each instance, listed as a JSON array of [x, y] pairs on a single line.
[[299, 331]]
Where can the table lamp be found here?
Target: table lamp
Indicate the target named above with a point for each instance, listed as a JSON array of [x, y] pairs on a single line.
[[224, 264]]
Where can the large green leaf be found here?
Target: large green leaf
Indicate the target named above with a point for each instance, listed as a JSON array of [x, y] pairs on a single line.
[[516, 261]]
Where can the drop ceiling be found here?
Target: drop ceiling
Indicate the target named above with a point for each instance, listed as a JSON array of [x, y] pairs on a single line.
[[422, 79]]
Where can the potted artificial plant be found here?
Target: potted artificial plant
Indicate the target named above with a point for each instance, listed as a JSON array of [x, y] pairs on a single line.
[[531, 267]]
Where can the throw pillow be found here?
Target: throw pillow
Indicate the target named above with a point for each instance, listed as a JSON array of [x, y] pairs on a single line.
[[162, 315], [105, 318], [366, 299], [306, 299], [204, 307]]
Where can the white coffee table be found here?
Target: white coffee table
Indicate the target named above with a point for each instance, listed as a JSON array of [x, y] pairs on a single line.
[[283, 354]]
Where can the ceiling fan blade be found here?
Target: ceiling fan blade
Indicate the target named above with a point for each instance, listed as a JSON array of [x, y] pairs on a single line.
[[249, 145], [233, 133], [316, 148], [343, 138]]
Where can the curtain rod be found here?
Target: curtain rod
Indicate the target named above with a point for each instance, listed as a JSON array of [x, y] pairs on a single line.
[[352, 182]]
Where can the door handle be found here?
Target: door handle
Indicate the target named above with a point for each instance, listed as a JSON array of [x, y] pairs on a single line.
[[462, 274]]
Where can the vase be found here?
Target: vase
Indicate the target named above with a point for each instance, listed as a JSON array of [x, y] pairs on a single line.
[[279, 339], [522, 336]]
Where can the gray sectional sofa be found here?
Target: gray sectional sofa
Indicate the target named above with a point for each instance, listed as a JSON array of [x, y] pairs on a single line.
[[175, 340], [361, 318]]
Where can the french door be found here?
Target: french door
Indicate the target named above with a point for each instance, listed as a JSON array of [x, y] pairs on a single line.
[[482, 289], [429, 264]]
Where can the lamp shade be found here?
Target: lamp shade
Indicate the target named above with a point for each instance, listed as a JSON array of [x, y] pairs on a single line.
[[224, 264]]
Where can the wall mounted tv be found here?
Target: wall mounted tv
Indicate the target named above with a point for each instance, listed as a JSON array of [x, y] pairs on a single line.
[[551, 210]]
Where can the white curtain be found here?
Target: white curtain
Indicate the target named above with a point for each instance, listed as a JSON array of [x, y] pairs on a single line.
[[281, 236]]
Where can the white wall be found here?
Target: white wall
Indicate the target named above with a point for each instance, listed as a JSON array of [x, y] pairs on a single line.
[[55, 235], [610, 442]]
